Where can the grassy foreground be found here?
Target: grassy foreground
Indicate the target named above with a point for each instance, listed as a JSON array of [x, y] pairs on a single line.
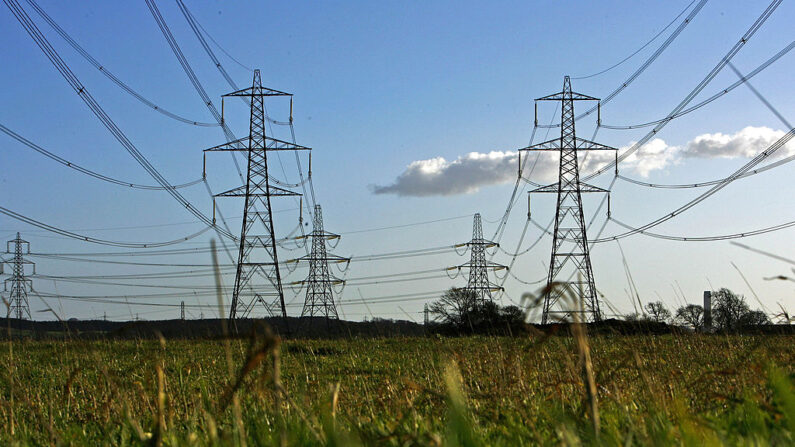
[[690, 390]]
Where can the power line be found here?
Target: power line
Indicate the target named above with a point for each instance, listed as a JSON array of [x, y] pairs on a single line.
[[81, 237], [710, 182], [145, 276], [709, 238], [648, 61], [169, 252], [413, 224], [639, 49], [87, 56], [204, 30], [745, 168], [107, 261], [31, 28], [696, 90], [86, 171], [712, 98]]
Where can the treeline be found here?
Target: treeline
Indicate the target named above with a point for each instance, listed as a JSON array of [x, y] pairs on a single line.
[[461, 311], [730, 312]]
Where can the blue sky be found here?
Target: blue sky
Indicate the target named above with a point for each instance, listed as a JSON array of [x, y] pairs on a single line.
[[378, 86]]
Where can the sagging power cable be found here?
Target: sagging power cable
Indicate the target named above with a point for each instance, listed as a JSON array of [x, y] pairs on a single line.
[[722, 237], [102, 69], [86, 171], [93, 240], [645, 64], [712, 98], [639, 49], [45, 46], [695, 91]]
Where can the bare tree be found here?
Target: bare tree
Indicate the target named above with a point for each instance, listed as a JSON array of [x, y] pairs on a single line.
[[691, 315], [658, 312], [454, 306], [728, 309]]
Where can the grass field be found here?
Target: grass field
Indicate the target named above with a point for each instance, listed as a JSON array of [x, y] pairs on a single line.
[[676, 389]]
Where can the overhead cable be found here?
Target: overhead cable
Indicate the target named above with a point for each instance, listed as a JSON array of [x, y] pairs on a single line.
[[745, 168], [87, 56], [696, 90], [100, 113], [646, 63], [81, 237], [708, 238], [639, 49], [712, 98], [83, 170]]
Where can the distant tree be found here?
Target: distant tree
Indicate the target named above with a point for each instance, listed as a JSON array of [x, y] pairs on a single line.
[[754, 318], [487, 313], [691, 315], [454, 307], [728, 309], [634, 316], [658, 312], [512, 315]]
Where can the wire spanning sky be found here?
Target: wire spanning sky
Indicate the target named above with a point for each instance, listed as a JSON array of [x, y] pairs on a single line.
[[414, 113]]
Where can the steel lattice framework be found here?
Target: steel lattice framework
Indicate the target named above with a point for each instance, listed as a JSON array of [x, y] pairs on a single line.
[[257, 257], [18, 285], [478, 265], [570, 242], [320, 282]]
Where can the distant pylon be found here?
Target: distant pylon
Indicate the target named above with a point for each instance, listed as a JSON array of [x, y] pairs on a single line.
[[320, 282], [18, 285], [569, 240], [478, 266], [182, 310], [257, 256]]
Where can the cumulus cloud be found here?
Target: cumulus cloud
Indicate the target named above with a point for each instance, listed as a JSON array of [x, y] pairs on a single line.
[[652, 156], [464, 175], [746, 143], [469, 173]]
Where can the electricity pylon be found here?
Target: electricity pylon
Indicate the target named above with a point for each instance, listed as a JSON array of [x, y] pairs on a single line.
[[257, 254], [569, 240], [478, 265], [320, 282], [18, 285]]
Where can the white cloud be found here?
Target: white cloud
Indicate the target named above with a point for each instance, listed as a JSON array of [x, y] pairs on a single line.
[[470, 172], [464, 175], [652, 156], [746, 143]]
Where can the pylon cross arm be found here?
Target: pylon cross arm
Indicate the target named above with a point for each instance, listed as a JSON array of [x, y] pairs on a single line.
[[328, 258], [258, 91], [240, 191], [567, 95], [271, 144], [580, 144]]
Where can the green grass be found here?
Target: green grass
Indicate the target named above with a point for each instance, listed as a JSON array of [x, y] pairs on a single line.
[[688, 390]]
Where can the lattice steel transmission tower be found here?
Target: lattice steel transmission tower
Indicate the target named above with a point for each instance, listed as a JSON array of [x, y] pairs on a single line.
[[569, 240], [18, 285], [478, 265], [320, 282], [257, 256]]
